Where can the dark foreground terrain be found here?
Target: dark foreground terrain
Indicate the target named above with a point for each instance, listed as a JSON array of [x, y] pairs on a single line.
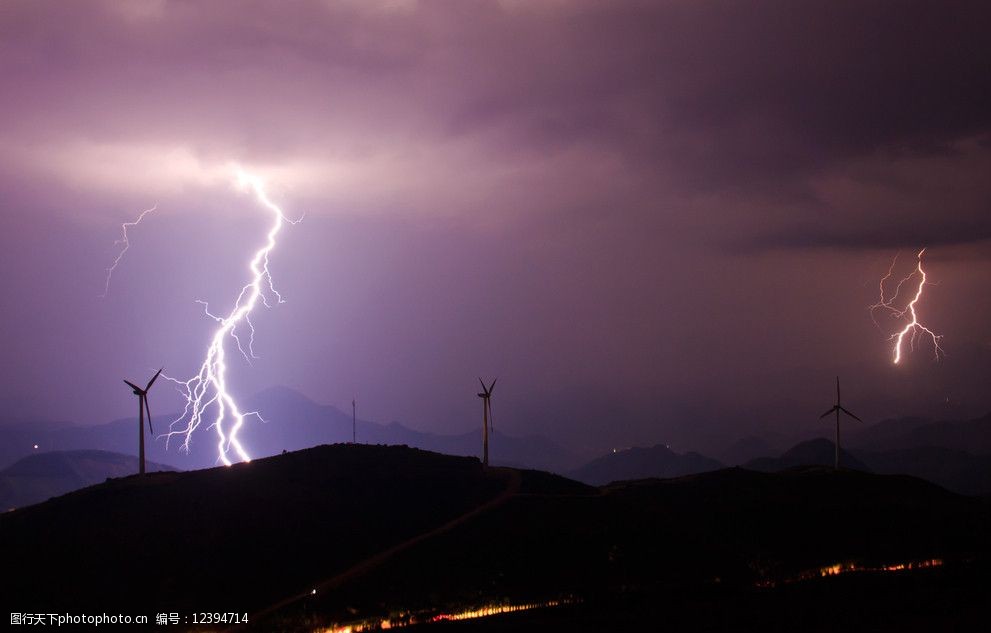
[[355, 535]]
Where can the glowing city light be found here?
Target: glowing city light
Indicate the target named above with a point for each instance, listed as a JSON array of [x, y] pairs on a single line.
[[913, 329], [208, 388]]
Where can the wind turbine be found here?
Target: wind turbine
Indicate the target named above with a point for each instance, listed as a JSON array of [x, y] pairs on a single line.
[[838, 408], [354, 420], [486, 418], [142, 395]]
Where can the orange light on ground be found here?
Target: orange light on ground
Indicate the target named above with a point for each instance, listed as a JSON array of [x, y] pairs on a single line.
[[468, 614]]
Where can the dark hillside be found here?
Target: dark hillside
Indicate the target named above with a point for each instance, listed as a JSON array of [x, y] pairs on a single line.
[[380, 531], [231, 537], [731, 530]]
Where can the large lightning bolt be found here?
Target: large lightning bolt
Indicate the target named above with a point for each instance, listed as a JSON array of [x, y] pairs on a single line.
[[123, 241], [208, 389], [913, 329]]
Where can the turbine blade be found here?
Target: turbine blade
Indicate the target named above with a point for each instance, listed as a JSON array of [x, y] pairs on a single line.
[[153, 379], [151, 429], [492, 386], [827, 413], [837, 390], [483, 385], [850, 414], [132, 385]]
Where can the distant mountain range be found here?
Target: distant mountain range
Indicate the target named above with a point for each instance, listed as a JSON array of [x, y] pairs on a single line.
[[953, 469], [642, 463], [953, 454], [39, 477], [293, 422], [972, 436]]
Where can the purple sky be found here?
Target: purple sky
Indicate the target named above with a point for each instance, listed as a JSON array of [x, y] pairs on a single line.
[[654, 221]]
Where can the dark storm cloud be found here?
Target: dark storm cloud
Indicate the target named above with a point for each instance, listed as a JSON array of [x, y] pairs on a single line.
[[841, 78], [762, 101], [891, 199], [740, 89], [820, 79], [894, 237], [640, 199]]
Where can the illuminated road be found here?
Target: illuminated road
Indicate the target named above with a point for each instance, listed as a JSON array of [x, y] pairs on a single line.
[[467, 614], [512, 488]]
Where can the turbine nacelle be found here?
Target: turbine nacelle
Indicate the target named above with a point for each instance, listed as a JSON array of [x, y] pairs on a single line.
[[486, 391], [138, 391], [838, 408]]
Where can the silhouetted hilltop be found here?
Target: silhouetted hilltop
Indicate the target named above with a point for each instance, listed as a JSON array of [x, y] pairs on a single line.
[[43, 475], [298, 422], [641, 463], [817, 452], [251, 531]]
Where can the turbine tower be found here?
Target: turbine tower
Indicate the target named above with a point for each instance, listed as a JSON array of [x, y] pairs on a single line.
[[486, 418], [838, 408], [142, 395]]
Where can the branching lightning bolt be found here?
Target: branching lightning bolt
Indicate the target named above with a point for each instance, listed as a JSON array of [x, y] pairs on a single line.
[[208, 388], [127, 244], [913, 329]]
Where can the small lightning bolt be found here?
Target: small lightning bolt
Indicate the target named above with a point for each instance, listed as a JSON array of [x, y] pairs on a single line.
[[208, 388], [913, 327], [126, 245]]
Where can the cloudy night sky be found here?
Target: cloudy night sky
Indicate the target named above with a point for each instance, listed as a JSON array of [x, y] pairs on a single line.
[[653, 221]]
